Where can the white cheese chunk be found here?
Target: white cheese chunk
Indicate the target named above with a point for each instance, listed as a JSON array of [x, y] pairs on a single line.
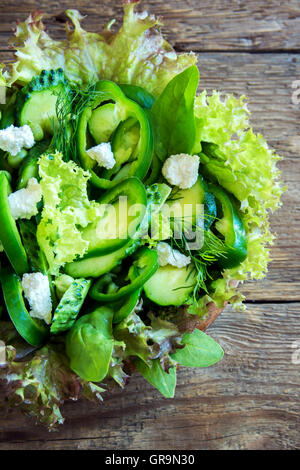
[[37, 291], [103, 155], [23, 202], [13, 139], [166, 255], [181, 170]]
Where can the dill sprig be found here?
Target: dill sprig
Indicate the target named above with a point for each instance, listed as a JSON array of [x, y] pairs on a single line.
[[212, 249], [68, 112]]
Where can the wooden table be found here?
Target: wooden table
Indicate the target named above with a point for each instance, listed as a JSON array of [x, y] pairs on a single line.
[[251, 399]]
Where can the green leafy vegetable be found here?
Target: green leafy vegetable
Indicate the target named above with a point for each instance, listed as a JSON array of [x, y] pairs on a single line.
[[40, 385], [173, 115], [148, 342], [89, 345], [136, 54], [199, 350], [66, 209], [165, 382], [68, 308]]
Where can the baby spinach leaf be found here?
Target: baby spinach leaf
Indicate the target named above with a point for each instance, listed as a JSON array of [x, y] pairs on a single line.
[[89, 345], [165, 382], [172, 115], [200, 350]]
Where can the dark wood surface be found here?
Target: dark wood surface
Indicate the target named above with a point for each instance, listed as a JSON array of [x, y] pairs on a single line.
[[251, 400]]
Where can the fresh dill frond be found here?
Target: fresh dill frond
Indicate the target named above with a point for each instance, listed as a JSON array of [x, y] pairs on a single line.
[[212, 249], [69, 109]]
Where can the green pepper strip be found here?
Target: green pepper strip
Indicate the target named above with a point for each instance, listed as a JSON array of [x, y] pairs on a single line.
[[144, 266], [34, 332], [122, 308], [231, 227], [9, 234], [135, 193], [139, 167]]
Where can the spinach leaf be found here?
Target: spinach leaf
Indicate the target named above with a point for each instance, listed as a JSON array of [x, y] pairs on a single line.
[[89, 344], [200, 350], [172, 115], [165, 382]]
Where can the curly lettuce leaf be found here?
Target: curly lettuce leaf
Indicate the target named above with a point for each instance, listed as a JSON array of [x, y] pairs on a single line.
[[136, 54], [242, 163], [66, 209], [41, 384]]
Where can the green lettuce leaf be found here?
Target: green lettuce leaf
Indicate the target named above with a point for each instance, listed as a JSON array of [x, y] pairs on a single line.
[[241, 162], [66, 209], [136, 54]]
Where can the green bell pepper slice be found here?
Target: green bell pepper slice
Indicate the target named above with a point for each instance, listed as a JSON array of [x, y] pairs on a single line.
[[128, 215], [32, 331], [9, 234], [126, 109], [145, 264], [123, 308], [230, 226]]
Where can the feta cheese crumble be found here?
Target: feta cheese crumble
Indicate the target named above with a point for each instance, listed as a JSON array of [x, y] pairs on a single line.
[[23, 202], [37, 291], [13, 139], [181, 170], [166, 255], [103, 155]]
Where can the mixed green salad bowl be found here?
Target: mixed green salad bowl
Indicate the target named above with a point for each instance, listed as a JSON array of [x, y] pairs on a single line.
[[131, 208]]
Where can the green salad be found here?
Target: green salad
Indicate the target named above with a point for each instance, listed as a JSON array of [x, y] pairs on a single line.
[[130, 208]]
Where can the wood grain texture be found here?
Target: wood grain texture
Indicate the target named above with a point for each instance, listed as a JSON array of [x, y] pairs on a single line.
[[206, 25], [249, 400]]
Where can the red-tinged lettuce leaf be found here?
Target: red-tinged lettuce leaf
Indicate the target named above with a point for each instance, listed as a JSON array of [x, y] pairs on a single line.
[[115, 370], [40, 385], [149, 342], [136, 54]]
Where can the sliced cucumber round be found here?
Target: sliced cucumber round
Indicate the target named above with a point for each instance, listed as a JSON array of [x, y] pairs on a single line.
[[171, 285], [184, 204], [36, 102]]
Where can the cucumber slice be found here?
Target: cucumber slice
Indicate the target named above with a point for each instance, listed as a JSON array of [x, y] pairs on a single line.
[[36, 102], [96, 266], [103, 122], [183, 203], [171, 285]]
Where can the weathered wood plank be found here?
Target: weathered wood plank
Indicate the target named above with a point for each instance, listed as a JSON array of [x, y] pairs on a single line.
[[208, 25], [266, 79], [248, 401]]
